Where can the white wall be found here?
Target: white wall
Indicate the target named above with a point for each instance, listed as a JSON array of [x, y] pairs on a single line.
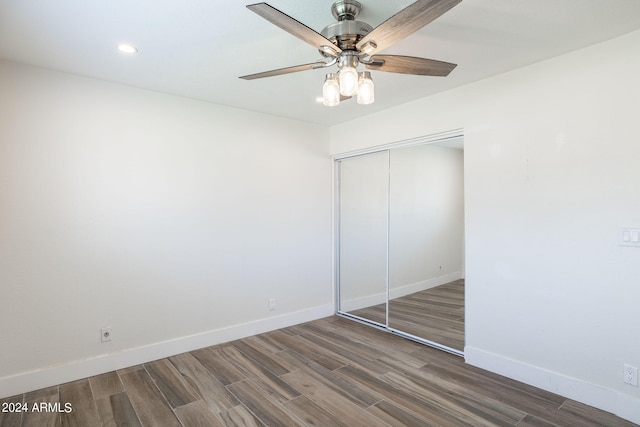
[[171, 220], [551, 172]]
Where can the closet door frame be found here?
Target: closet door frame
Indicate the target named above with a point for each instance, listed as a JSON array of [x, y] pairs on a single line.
[[429, 139]]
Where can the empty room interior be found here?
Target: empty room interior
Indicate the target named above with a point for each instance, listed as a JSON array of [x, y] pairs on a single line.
[[202, 224]]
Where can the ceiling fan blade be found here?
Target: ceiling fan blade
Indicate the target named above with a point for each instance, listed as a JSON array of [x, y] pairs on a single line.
[[295, 28], [410, 65], [287, 70], [406, 22]]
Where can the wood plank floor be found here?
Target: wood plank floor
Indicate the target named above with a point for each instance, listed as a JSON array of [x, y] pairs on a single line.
[[435, 314], [329, 372]]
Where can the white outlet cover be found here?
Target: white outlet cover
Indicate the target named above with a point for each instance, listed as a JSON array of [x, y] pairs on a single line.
[[105, 334], [630, 375]]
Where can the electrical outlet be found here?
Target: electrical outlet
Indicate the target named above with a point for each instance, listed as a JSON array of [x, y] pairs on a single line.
[[630, 375], [272, 304], [105, 334]]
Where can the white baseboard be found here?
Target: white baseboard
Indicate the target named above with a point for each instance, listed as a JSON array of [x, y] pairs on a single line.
[[424, 285], [381, 297], [78, 369], [617, 403], [353, 304], [627, 407]]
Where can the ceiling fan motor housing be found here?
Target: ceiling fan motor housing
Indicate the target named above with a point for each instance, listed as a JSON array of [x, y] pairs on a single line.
[[347, 32]]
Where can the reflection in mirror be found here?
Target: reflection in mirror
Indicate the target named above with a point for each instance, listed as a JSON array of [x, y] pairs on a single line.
[[426, 243], [363, 228]]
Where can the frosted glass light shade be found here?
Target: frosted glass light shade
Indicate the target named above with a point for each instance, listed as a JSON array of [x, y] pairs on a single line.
[[348, 81], [331, 91], [365, 88]]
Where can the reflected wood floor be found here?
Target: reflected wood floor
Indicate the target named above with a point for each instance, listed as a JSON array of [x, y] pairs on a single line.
[[435, 314], [329, 372]]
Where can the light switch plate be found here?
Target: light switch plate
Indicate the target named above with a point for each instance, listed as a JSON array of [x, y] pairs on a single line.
[[629, 237]]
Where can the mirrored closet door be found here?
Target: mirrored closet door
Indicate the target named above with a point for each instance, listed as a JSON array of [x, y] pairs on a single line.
[[364, 222], [400, 245]]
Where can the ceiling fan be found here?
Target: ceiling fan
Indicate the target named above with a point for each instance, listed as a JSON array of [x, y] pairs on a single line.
[[348, 43]]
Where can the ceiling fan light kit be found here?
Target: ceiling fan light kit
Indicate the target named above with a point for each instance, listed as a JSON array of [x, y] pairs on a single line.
[[332, 94], [349, 43]]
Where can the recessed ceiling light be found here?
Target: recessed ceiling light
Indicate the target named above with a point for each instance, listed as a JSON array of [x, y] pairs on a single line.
[[127, 48]]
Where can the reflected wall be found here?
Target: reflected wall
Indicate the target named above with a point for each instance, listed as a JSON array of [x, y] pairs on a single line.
[[364, 219]]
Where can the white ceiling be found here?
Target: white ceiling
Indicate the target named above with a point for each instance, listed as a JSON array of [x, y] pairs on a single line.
[[198, 48]]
